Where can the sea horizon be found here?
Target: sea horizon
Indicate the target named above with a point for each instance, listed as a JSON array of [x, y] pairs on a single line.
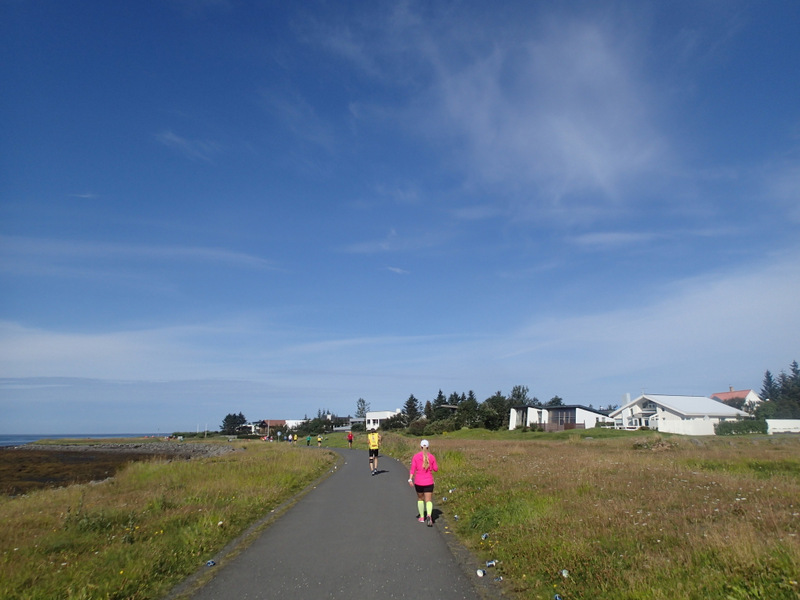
[[22, 439]]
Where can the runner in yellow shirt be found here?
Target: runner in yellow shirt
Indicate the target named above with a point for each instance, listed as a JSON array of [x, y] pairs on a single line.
[[374, 441]]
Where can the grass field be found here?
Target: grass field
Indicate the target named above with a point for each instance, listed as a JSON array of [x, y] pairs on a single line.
[[598, 514], [155, 523], [589, 515]]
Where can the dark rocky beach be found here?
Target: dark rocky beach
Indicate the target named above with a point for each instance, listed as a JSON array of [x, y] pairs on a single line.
[[36, 466]]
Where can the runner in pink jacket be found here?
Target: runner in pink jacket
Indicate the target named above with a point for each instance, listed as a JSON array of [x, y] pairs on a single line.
[[423, 466]]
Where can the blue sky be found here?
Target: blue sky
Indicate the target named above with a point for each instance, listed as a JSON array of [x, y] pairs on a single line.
[[220, 206]]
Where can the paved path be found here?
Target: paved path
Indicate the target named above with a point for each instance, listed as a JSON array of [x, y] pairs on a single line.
[[355, 536]]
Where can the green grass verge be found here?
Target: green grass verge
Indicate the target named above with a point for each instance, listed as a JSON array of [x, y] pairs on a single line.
[[141, 533]]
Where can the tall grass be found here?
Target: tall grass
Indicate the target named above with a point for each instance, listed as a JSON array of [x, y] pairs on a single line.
[[137, 535], [594, 516]]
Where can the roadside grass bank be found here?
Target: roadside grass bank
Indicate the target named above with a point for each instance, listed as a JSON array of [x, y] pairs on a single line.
[[144, 531], [601, 515]]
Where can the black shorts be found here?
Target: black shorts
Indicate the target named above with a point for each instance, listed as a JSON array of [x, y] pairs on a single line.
[[423, 488], [373, 452]]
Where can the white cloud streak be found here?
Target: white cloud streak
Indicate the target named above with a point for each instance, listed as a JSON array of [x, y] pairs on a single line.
[[198, 150], [27, 255], [699, 332]]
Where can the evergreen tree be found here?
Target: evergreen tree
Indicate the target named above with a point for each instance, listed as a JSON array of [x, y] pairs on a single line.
[[412, 409], [439, 412], [781, 397], [468, 410], [231, 423], [769, 390], [428, 410], [555, 401]]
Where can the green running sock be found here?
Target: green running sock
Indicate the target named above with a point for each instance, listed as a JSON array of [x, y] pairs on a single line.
[[421, 508], [429, 507]]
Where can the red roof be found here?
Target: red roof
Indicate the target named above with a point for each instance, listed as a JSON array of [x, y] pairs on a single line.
[[731, 395]]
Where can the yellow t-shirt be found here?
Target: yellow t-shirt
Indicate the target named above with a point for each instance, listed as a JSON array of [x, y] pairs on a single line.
[[374, 439]]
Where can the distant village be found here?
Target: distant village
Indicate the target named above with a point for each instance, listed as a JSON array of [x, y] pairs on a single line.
[[729, 412]]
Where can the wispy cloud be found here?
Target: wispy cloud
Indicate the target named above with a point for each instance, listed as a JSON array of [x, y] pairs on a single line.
[[574, 119], [693, 331], [398, 270], [299, 117], [564, 111], [614, 239], [393, 242], [23, 253], [781, 183], [704, 333], [202, 150]]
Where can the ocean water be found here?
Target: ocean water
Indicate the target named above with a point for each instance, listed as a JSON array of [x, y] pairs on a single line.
[[19, 440]]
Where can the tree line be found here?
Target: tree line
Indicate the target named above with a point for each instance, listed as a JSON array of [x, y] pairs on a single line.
[[780, 396], [451, 413]]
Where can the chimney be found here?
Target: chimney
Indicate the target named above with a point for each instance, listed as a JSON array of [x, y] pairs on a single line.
[[730, 387]]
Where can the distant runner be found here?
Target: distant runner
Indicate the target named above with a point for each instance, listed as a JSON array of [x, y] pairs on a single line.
[[374, 440]]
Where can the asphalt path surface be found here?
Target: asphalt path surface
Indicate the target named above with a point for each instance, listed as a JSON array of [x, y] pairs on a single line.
[[353, 536]]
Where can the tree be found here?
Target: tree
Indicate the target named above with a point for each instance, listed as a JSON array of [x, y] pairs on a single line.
[[769, 389], [496, 411], [737, 403], [231, 423], [439, 412], [519, 396], [412, 408], [362, 408], [468, 410], [428, 410], [555, 401], [781, 397], [396, 421]]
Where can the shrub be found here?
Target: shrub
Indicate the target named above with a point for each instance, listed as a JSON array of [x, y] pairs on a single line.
[[417, 427], [440, 426], [743, 426]]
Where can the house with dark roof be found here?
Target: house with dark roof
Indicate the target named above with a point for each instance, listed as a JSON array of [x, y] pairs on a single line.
[[556, 418]]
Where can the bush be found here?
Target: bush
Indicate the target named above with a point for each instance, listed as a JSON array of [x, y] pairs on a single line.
[[418, 427], [394, 422], [741, 427], [440, 426]]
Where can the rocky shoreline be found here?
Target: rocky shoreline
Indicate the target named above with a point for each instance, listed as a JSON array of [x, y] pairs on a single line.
[[31, 467], [180, 449]]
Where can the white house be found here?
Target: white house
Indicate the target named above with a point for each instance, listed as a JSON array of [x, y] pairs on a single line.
[[687, 415], [376, 417], [556, 417], [751, 399]]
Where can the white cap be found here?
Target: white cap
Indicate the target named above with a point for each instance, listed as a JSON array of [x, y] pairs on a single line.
[[424, 443]]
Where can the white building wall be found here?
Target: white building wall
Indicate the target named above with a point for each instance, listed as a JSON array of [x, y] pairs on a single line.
[[589, 419], [517, 418], [376, 417], [783, 426], [691, 427]]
